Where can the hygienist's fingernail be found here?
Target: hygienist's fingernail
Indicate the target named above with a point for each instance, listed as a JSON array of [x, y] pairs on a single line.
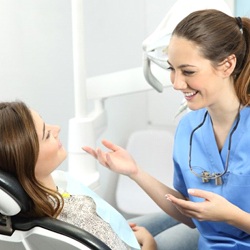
[[190, 191], [167, 197]]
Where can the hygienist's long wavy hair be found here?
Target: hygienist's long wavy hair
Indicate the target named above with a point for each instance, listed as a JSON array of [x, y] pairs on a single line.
[[219, 36], [19, 149]]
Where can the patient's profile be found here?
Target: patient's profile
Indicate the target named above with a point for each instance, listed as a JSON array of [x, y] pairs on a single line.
[[31, 150]]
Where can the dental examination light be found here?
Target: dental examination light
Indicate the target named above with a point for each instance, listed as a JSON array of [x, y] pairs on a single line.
[[155, 46]]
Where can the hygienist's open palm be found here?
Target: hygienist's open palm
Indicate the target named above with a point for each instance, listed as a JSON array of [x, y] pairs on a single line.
[[117, 159], [213, 208]]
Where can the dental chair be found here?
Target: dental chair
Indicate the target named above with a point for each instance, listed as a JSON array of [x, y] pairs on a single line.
[[18, 233]]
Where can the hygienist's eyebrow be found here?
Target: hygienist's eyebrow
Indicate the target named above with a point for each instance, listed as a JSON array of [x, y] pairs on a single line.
[[182, 65], [43, 130]]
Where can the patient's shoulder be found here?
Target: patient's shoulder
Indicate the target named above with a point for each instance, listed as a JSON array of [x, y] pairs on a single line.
[[80, 210]]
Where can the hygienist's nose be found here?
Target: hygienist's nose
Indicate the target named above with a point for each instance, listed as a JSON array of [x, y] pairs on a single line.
[[178, 82]]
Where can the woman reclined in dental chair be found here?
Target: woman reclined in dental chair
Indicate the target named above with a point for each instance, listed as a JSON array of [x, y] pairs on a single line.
[[30, 150]]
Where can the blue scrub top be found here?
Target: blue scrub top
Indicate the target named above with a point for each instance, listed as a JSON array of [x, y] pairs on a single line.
[[236, 182]]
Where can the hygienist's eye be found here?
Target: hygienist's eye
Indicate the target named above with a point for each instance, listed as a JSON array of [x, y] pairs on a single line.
[[170, 68], [188, 73]]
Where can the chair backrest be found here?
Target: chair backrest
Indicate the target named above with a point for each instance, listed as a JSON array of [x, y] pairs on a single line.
[[152, 149], [12, 196], [19, 233]]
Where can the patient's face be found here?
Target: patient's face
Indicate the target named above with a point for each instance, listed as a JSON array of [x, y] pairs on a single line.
[[51, 151]]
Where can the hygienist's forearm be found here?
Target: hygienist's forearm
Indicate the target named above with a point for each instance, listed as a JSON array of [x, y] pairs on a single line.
[[157, 191], [240, 219]]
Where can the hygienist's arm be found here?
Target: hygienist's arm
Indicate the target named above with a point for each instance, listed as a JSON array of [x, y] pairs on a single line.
[[157, 191], [120, 161], [213, 207], [240, 219]]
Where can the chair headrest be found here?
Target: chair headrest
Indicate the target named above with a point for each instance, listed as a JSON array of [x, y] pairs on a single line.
[[13, 198]]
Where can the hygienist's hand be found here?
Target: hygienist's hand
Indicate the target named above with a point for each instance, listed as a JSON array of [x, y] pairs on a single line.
[[213, 208], [117, 159], [143, 236]]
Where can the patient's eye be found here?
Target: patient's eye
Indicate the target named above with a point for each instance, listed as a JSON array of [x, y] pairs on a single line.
[[48, 134]]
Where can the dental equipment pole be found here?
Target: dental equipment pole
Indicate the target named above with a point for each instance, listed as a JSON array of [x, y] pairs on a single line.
[[84, 126], [79, 58]]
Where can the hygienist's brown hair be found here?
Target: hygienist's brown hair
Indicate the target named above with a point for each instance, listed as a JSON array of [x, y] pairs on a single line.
[[218, 36]]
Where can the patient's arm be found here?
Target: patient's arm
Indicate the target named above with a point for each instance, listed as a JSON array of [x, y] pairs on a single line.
[[145, 239]]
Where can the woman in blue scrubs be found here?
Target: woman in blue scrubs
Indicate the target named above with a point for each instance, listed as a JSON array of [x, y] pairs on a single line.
[[209, 60]]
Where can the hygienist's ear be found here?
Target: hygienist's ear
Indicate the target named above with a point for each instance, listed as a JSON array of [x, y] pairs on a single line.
[[227, 66]]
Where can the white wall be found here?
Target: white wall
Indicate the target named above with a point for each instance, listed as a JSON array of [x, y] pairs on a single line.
[[36, 57]]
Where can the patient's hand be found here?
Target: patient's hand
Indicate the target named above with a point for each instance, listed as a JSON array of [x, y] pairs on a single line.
[[145, 239], [117, 159]]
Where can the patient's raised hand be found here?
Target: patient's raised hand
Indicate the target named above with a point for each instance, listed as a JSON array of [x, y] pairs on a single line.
[[117, 159]]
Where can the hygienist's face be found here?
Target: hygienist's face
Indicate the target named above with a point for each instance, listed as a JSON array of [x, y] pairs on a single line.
[[51, 151], [194, 75]]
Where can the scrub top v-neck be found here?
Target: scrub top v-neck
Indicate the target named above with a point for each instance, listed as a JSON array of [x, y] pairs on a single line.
[[205, 155]]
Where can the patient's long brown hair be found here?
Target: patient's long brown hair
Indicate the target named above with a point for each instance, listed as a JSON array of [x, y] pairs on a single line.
[[19, 148]]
